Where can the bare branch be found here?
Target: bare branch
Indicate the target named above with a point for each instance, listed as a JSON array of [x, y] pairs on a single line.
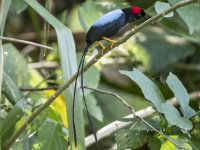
[[25, 42]]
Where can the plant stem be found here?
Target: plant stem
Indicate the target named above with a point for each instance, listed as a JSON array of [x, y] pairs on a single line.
[[87, 66]]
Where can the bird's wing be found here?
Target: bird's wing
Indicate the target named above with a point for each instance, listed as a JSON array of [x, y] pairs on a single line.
[[107, 26]]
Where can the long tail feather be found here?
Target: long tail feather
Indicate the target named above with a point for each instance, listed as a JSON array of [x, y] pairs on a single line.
[[88, 114], [74, 94]]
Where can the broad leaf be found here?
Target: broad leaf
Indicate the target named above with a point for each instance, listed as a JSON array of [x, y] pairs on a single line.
[[11, 90], [15, 65], [149, 89], [181, 95], [189, 14], [130, 139], [162, 6], [173, 117], [153, 94], [50, 137]]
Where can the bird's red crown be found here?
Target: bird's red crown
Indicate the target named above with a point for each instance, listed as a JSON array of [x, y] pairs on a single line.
[[136, 10]]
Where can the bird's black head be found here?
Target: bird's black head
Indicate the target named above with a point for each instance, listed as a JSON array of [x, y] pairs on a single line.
[[133, 13]]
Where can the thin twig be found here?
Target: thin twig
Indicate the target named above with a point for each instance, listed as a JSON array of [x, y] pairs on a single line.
[[87, 66], [44, 65], [25, 42], [40, 89], [116, 125], [133, 112]]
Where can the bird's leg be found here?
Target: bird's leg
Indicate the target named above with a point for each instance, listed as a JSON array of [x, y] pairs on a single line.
[[103, 47], [109, 40]]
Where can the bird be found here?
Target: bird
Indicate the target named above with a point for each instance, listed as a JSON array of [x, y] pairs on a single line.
[[104, 28]]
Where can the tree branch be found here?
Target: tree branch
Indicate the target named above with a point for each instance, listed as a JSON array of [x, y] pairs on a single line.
[[116, 125], [87, 66], [25, 42]]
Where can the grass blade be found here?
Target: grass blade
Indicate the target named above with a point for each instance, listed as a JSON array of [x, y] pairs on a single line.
[[69, 67]]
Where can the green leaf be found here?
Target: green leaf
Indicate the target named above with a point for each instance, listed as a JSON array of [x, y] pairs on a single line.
[[130, 139], [11, 90], [181, 95], [19, 5], [8, 123], [5, 5], [162, 6], [69, 67], [149, 89], [153, 94], [154, 143], [17, 69], [173, 117], [93, 108], [50, 137], [167, 145], [189, 14]]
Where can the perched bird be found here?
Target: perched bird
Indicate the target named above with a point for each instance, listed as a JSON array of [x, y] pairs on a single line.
[[105, 27]]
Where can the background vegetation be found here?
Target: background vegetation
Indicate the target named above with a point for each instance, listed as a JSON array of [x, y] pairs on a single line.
[[171, 43]]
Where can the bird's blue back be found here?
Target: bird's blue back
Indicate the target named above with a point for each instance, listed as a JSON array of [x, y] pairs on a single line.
[[106, 26]]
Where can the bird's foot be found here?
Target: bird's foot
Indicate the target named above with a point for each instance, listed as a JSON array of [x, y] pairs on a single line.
[[102, 46], [110, 40]]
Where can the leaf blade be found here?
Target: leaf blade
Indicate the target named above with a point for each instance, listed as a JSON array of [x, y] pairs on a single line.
[[181, 94]]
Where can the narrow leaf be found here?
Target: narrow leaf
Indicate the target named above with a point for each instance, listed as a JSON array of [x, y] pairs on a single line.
[[5, 5], [69, 67]]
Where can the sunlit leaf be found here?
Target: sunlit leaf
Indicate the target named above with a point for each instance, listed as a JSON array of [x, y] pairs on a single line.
[[36, 79], [59, 106], [167, 145]]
